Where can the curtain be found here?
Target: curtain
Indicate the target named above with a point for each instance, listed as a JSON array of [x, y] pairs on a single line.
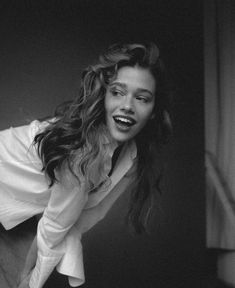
[[219, 29]]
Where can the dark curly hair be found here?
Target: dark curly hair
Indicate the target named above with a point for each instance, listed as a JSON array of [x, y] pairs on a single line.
[[80, 125]]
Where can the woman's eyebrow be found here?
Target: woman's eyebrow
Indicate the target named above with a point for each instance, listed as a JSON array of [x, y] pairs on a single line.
[[122, 85], [145, 91]]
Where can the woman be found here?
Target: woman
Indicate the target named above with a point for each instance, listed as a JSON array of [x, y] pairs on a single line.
[[73, 167]]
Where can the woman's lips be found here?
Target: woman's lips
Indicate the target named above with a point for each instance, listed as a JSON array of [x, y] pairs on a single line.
[[123, 123], [124, 120]]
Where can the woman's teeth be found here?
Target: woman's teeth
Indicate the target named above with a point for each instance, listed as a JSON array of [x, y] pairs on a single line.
[[124, 121]]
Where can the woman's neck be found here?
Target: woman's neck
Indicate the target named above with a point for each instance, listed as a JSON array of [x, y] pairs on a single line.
[[115, 158]]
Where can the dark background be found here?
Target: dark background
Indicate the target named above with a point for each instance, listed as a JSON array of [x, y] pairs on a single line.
[[44, 46]]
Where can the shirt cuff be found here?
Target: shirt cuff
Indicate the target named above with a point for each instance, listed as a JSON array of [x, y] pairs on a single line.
[[47, 259], [44, 267], [71, 264]]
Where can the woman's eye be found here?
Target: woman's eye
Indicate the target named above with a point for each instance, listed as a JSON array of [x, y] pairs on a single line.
[[116, 92], [142, 99]]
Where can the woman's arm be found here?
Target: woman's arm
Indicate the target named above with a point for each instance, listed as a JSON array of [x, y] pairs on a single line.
[[72, 262], [66, 203]]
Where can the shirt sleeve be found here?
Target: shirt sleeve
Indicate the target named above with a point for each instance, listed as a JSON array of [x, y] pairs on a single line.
[[71, 263], [65, 205]]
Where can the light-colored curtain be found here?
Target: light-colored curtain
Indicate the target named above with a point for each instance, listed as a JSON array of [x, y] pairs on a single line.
[[220, 122]]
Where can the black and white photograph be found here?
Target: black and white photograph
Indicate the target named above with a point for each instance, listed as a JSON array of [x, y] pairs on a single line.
[[117, 136]]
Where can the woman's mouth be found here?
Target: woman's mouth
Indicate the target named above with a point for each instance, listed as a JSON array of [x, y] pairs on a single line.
[[124, 123]]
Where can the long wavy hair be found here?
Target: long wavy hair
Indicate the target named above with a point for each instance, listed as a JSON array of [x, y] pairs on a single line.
[[80, 126]]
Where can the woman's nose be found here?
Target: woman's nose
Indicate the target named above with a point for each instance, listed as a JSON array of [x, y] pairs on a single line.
[[127, 104]]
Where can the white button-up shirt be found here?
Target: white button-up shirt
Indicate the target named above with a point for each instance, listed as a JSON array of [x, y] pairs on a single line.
[[67, 213]]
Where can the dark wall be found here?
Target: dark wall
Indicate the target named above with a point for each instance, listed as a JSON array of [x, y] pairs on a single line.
[[44, 47]]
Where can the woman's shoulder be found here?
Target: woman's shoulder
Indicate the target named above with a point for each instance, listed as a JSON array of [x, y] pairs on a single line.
[[28, 130], [16, 142]]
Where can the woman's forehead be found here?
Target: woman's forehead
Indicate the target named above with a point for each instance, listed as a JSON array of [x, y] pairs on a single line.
[[135, 77]]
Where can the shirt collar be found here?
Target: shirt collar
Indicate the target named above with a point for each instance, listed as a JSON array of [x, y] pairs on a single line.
[[111, 144]]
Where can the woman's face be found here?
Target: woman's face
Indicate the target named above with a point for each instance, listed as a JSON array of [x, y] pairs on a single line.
[[129, 102]]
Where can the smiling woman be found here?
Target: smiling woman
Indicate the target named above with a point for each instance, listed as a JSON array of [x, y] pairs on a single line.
[[74, 166], [129, 102]]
